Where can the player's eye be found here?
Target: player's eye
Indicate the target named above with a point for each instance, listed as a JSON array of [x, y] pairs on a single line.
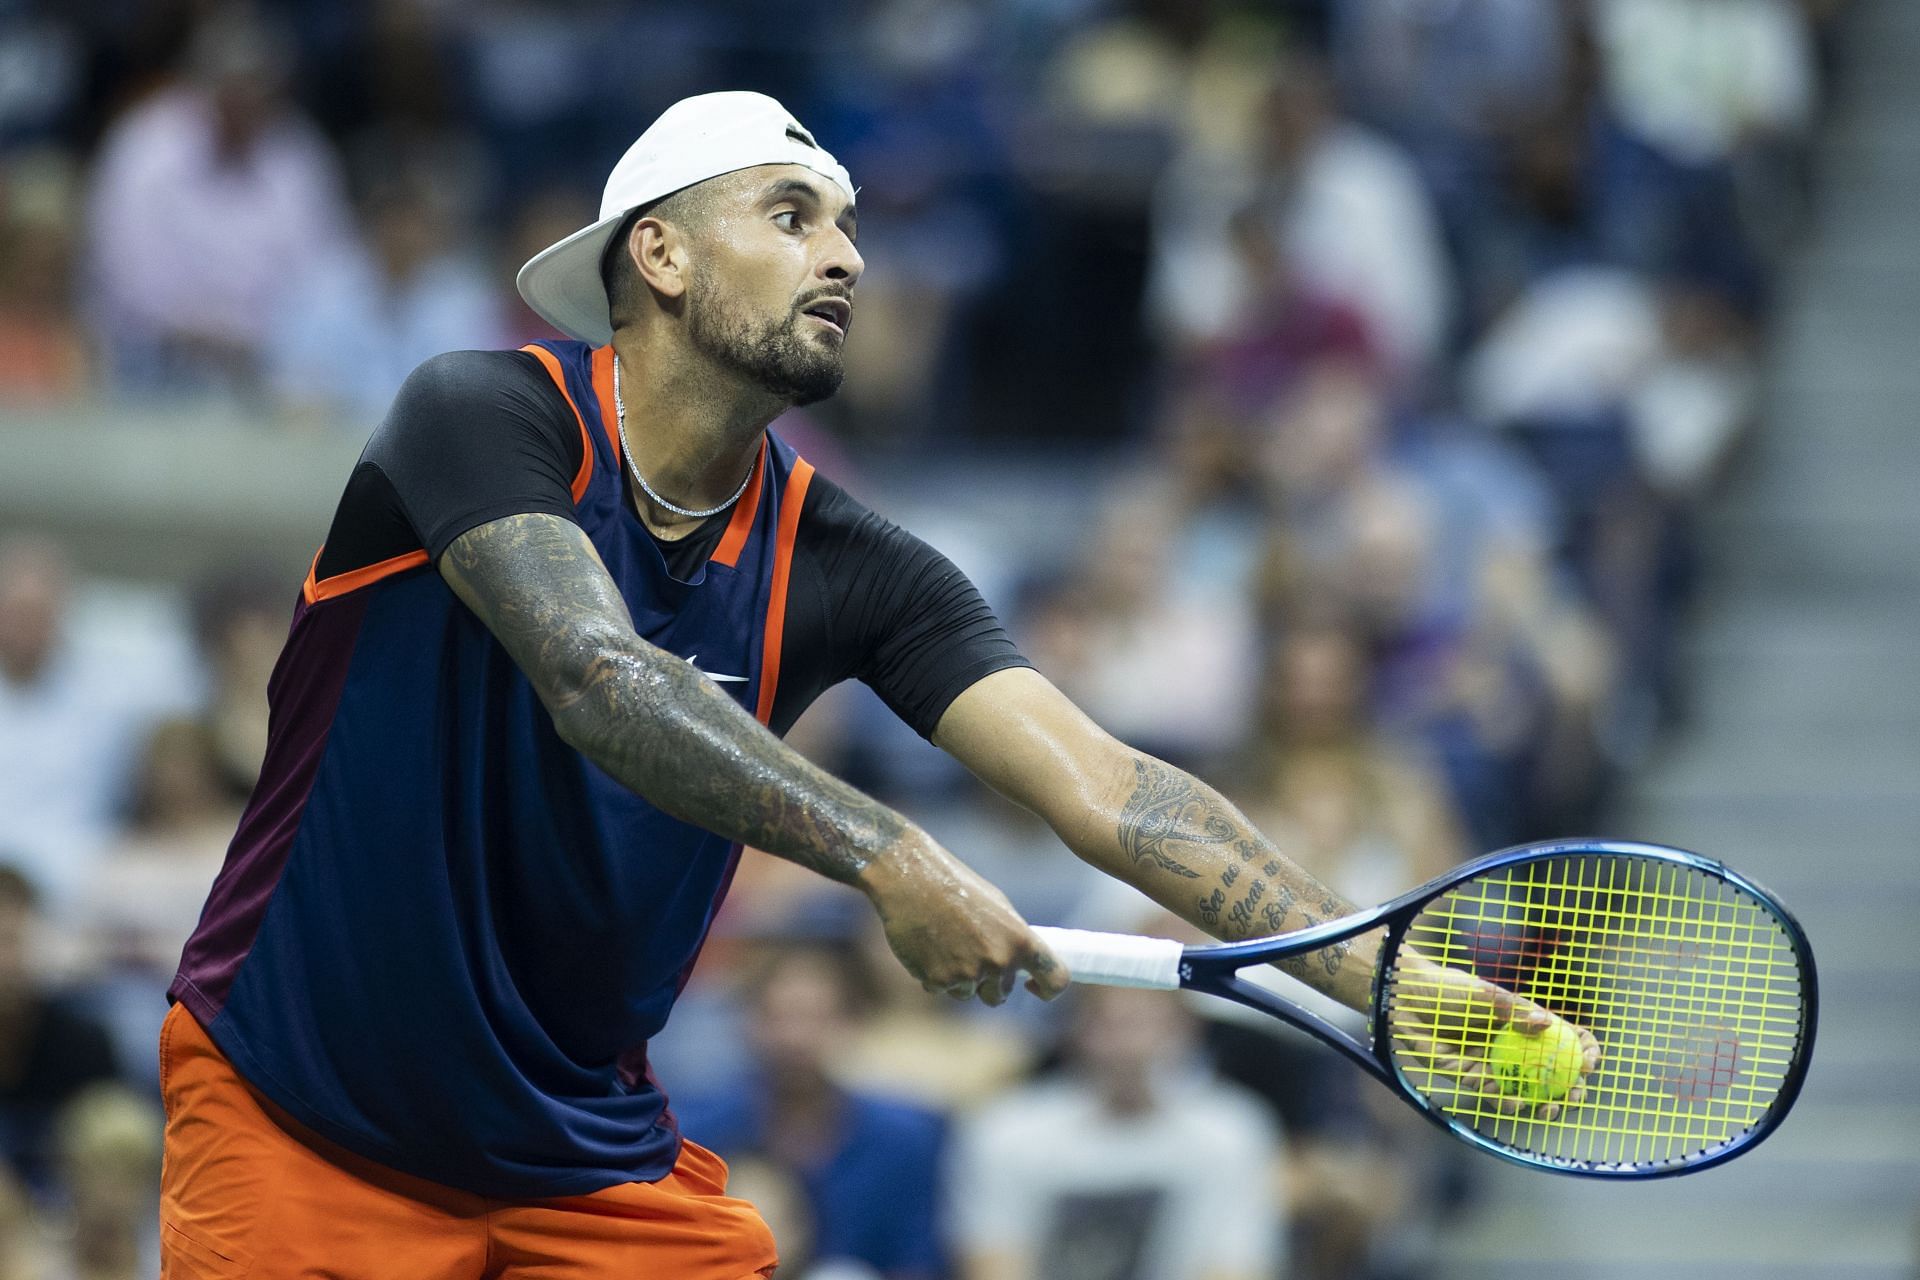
[[794, 214]]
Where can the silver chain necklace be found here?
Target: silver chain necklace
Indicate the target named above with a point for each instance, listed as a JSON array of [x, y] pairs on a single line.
[[626, 451]]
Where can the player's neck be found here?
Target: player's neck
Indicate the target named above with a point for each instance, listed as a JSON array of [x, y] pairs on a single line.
[[693, 429]]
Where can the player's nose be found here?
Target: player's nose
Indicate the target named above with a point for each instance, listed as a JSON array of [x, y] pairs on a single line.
[[841, 262]]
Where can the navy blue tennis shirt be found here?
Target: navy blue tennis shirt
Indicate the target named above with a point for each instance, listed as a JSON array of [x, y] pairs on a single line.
[[442, 937]]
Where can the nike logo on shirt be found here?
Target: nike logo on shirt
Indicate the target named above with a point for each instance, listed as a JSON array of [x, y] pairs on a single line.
[[716, 677]]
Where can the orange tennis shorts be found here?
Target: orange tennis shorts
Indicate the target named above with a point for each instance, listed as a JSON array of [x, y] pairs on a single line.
[[247, 1192]]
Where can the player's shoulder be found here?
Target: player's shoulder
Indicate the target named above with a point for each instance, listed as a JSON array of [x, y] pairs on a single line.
[[829, 505], [492, 401], [832, 517], [465, 375], [473, 394]]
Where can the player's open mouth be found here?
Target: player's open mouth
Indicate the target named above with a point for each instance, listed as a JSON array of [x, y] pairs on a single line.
[[836, 313]]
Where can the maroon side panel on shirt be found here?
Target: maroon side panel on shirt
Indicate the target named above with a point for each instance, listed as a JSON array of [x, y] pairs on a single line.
[[303, 694]]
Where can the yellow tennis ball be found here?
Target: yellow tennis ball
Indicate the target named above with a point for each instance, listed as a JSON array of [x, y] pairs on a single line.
[[1538, 1068]]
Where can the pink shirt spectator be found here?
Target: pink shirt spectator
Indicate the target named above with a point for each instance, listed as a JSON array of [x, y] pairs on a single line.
[[193, 248]]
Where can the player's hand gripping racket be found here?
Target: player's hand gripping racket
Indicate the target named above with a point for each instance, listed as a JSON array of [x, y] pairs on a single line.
[[1697, 983]]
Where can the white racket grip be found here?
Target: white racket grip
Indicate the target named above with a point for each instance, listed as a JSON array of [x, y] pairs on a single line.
[[1116, 959]]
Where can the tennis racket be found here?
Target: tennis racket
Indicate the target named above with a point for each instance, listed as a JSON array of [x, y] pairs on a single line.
[[1697, 983]]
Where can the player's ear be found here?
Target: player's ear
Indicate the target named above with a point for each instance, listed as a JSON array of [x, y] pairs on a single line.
[[663, 254]]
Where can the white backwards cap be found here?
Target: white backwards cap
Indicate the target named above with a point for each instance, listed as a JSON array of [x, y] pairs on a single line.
[[694, 139]]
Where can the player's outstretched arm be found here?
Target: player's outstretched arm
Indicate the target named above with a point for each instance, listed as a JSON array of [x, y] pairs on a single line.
[[1158, 828], [655, 723]]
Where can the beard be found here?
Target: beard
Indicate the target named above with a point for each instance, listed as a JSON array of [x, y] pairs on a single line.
[[773, 354]]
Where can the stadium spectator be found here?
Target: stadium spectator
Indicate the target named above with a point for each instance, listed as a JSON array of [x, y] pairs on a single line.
[[1704, 79], [1290, 325], [868, 1164], [1370, 819], [240, 621], [1133, 1165], [921, 124], [780, 1196], [1448, 80], [1568, 353], [1360, 1185], [205, 196], [49, 1051], [1577, 372], [535, 223], [352, 328], [1358, 523], [43, 354], [1695, 404], [108, 1148], [73, 706], [1107, 104], [1540, 677], [1163, 658], [923, 1048], [22, 1249], [397, 70], [1344, 203], [141, 902], [46, 56]]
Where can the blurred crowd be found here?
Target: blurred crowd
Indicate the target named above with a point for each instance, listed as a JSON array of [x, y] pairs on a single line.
[[1409, 336]]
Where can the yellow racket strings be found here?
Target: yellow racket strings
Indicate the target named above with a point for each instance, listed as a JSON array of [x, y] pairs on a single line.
[[1690, 985]]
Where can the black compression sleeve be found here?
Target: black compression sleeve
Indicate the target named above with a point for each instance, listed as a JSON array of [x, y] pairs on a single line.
[[472, 436], [870, 600]]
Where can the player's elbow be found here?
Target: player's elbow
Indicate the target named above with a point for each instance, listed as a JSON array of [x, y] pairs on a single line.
[[1087, 814], [590, 682]]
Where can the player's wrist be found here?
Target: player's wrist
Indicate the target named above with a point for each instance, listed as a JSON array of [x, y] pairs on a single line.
[[902, 863]]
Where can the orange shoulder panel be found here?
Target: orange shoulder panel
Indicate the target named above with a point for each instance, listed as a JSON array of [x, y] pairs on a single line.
[[316, 590], [552, 365], [790, 504]]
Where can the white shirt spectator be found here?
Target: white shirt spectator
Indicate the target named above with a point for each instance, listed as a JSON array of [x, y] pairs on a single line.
[[349, 335], [1356, 224], [1693, 76], [1363, 229], [1183, 1191], [68, 737], [1574, 345], [1589, 340]]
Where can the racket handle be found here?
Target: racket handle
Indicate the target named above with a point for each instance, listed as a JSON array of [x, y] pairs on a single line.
[[1116, 959]]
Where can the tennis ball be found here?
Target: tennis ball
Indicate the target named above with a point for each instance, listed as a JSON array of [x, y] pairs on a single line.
[[1538, 1068]]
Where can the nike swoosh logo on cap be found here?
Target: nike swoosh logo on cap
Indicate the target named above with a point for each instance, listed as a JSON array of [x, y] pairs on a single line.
[[694, 660]]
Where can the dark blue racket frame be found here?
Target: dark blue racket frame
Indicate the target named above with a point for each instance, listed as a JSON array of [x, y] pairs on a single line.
[[1215, 970]]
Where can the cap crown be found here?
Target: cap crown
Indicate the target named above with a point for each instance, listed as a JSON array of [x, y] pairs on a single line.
[[705, 136]]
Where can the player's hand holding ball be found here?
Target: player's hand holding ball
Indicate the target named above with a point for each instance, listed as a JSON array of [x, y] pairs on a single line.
[[1492, 1042]]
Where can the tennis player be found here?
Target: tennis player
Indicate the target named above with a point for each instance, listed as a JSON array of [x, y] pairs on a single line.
[[529, 712]]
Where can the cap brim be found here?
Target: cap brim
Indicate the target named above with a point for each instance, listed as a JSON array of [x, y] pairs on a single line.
[[562, 283]]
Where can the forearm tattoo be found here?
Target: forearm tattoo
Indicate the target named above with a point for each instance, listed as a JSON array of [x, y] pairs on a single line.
[[1175, 825], [1163, 813], [643, 715]]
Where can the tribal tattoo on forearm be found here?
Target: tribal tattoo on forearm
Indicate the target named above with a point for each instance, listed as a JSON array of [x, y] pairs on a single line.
[[646, 717], [1175, 825]]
